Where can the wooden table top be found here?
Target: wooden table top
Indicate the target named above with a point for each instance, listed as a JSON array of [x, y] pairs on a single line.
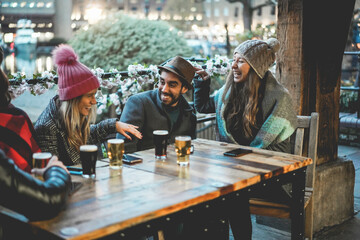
[[138, 193]]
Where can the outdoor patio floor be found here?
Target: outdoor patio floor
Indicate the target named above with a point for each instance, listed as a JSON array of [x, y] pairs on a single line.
[[348, 230]]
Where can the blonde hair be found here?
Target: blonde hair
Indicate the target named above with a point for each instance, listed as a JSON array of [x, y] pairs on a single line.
[[77, 126], [244, 99]]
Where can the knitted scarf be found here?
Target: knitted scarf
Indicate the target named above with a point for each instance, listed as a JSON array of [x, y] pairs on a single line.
[[278, 113]]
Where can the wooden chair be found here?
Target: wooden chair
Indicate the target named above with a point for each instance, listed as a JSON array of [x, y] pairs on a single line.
[[272, 209]]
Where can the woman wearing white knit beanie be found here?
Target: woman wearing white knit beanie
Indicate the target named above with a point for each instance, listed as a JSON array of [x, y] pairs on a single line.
[[252, 109]]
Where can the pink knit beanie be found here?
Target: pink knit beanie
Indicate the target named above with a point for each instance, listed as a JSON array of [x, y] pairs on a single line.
[[74, 78]]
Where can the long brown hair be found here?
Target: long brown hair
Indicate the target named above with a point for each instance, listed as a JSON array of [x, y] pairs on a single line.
[[5, 97], [241, 104], [77, 126]]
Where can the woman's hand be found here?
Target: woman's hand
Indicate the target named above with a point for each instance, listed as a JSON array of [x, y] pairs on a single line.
[[52, 162], [202, 73], [123, 128]]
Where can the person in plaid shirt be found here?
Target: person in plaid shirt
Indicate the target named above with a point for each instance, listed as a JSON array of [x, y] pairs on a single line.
[[17, 134]]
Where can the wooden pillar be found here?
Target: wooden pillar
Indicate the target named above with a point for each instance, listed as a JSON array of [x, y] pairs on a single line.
[[313, 36]]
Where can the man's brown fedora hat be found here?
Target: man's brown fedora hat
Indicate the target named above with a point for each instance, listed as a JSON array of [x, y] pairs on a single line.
[[182, 68]]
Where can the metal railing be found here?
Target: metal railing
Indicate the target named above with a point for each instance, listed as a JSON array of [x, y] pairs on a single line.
[[205, 127], [104, 76], [356, 87]]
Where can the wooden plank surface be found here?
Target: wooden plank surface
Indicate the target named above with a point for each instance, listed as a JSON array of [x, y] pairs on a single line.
[[116, 200]]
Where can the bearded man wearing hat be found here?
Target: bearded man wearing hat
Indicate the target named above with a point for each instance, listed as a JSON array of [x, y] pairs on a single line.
[[252, 109], [163, 108], [67, 121]]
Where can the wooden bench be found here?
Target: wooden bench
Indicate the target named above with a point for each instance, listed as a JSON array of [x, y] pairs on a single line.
[[349, 129]]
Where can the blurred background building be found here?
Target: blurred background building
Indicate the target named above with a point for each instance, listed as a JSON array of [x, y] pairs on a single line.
[[58, 19]]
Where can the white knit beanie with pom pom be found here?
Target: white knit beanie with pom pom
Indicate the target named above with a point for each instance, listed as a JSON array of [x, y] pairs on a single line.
[[74, 78], [260, 55]]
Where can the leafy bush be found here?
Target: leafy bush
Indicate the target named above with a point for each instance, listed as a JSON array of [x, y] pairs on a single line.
[[119, 41], [348, 101]]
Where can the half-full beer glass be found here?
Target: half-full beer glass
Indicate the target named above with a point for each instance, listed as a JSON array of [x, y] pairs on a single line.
[[182, 148], [160, 142], [115, 152], [40, 160], [88, 157]]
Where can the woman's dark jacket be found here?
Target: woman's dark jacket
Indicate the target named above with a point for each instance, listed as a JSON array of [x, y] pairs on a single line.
[[37, 200]]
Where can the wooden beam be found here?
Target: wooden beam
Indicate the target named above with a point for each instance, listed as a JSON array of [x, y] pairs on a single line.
[[313, 36]]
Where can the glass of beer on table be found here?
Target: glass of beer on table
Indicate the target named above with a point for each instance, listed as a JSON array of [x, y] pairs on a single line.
[[88, 157], [160, 142], [183, 149], [40, 160], [116, 148]]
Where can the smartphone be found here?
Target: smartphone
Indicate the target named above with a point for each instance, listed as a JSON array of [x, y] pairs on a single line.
[[74, 170], [237, 152], [131, 159]]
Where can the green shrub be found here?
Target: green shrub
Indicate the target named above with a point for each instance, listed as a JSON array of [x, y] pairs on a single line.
[[119, 41]]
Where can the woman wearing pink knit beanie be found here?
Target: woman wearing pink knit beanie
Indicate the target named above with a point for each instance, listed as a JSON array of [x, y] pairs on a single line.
[[67, 122]]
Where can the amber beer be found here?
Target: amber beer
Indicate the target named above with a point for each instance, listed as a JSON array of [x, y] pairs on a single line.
[[88, 157], [40, 160], [160, 142], [115, 152], [182, 148]]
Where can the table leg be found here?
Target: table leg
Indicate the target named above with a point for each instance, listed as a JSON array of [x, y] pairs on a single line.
[[297, 204]]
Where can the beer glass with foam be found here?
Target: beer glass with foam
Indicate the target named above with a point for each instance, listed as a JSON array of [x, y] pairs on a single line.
[[183, 148], [40, 160], [115, 152], [88, 157], [160, 142]]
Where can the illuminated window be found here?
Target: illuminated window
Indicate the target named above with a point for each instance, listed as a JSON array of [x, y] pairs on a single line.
[[49, 25], [226, 11], [31, 5], [23, 4], [5, 4], [14, 4], [49, 5], [41, 25], [40, 4]]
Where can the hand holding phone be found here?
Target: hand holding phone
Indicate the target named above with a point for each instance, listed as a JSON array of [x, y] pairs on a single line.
[[237, 152]]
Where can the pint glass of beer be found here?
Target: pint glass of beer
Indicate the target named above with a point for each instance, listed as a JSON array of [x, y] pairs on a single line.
[[115, 152], [160, 142], [40, 160], [88, 157], [182, 148]]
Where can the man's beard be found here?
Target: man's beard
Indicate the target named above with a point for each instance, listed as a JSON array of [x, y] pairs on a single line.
[[173, 99]]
